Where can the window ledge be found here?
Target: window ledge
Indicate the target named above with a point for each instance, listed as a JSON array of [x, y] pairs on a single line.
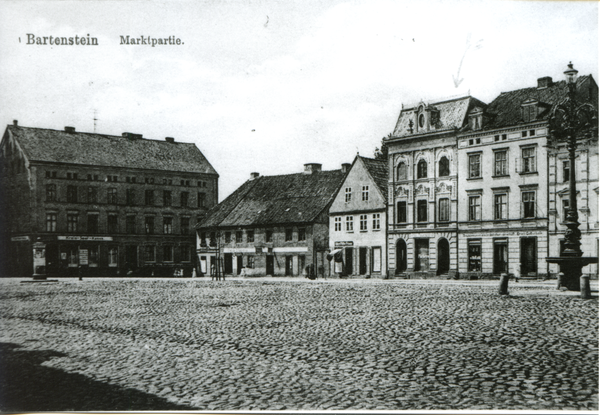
[[475, 178], [501, 176], [528, 173]]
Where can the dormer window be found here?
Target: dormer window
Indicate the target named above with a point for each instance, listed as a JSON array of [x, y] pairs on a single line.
[[476, 119], [529, 110], [421, 120]]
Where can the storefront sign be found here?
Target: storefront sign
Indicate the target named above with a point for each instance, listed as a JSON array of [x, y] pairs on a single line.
[[341, 244], [83, 257], [19, 238], [85, 238]]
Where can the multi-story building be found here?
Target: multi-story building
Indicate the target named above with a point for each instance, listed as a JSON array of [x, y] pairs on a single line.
[[358, 221], [100, 205], [423, 194], [512, 187], [271, 225]]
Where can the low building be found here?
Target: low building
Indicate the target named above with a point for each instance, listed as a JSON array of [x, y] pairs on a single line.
[[92, 204], [271, 225], [358, 221]]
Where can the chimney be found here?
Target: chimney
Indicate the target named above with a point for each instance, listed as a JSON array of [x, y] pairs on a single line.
[[254, 175], [170, 140], [70, 130], [544, 82], [310, 168], [131, 136], [16, 123], [346, 167]]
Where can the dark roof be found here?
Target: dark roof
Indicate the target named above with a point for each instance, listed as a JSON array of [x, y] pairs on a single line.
[[505, 110], [268, 200], [41, 144], [378, 169]]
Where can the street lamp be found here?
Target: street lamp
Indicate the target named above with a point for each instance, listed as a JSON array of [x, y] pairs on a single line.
[[571, 121]]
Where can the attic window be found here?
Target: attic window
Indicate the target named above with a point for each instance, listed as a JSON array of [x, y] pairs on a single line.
[[476, 119], [529, 110]]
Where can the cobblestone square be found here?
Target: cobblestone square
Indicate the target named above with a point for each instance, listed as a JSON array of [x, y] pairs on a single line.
[[270, 344]]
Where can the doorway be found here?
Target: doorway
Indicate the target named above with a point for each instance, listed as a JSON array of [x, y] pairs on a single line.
[[130, 257], [348, 265], [270, 265], [528, 257], [228, 265], [289, 266], [421, 254], [362, 261], [400, 256], [500, 256], [443, 253]]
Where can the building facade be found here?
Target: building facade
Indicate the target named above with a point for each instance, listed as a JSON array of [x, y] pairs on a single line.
[[358, 221], [99, 205], [271, 225]]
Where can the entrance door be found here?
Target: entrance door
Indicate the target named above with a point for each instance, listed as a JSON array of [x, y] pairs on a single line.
[[228, 265], [289, 266], [528, 256], [130, 257], [362, 261], [51, 258], [349, 263], [500, 257], [240, 264], [270, 265], [400, 256], [443, 257], [421, 254]]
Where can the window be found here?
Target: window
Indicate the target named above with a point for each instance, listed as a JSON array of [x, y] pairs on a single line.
[[149, 225], [130, 194], [444, 167], [422, 211], [186, 253], [529, 113], [421, 120], [349, 223], [50, 192], [565, 206], [72, 194], [376, 260], [528, 160], [250, 261], [444, 210], [92, 195], [149, 197], [227, 237], [376, 221], [288, 234], [302, 234], [113, 256], [338, 223], [212, 239], [111, 196], [401, 171], [348, 194], [528, 200], [500, 163], [531, 133], [523, 133], [167, 225], [474, 165], [474, 251], [363, 223], [72, 221], [500, 209], [402, 212], [422, 169], [239, 237], [201, 199], [167, 198], [130, 224], [167, 253], [112, 223], [496, 138], [474, 207], [269, 235], [203, 239], [365, 193], [185, 226], [50, 222], [150, 253], [566, 170], [184, 198], [93, 256], [92, 223], [250, 236], [503, 136], [112, 178]]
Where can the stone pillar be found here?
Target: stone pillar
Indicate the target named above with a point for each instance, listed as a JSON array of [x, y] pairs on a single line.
[[586, 292], [559, 280], [503, 289]]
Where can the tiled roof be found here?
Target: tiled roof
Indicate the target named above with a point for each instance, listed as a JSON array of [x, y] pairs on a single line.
[[40, 144], [379, 171], [452, 115], [269, 200], [505, 110]]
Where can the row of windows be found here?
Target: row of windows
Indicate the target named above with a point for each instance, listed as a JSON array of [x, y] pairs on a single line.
[[443, 169], [71, 254], [422, 214], [250, 236], [128, 179], [500, 166], [363, 222], [74, 195], [112, 224], [364, 194]]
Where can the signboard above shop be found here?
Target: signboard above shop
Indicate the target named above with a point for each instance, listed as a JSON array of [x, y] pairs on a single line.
[[84, 238], [342, 244]]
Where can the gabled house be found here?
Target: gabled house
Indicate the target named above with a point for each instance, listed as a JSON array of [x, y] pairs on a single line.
[[271, 225], [358, 221]]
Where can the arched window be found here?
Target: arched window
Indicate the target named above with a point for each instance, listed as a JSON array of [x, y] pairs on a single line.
[[422, 169], [401, 171], [444, 167]]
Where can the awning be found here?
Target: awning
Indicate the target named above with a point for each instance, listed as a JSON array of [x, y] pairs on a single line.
[[335, 254]]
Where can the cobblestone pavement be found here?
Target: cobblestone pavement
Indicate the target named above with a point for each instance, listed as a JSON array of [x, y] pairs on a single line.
[[269, 344]]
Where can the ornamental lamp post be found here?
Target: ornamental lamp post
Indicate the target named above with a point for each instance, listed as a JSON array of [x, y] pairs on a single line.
[[571, 122]]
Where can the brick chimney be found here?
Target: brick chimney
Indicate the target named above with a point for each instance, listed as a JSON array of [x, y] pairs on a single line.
[[16, 123], [310, 168], [70, 130], [346, 167], [544, 82], [254, 175], [170, 140]]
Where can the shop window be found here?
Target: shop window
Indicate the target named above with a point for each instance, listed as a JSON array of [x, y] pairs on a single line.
[[149, 225], [50, 192], [167, 225], [92, 223], [72, 222], [474, 251], [401, 212], [401, 171], [444, 167], [113, 256], [422, 169], [376, 221], [528, 204], [51, 222], [72, 256], [93, 256], [185, 226], [444, 210], [376, 260], [167, 198], [422, 211]]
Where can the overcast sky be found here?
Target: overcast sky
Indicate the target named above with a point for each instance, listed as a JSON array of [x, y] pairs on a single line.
[[270, 85]]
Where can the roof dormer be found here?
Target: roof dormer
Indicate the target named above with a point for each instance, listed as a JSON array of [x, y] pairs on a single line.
[[476, 119]]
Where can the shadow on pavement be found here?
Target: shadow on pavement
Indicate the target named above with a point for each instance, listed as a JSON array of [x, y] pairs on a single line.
[[27, 386]]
